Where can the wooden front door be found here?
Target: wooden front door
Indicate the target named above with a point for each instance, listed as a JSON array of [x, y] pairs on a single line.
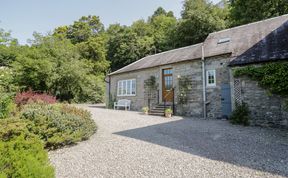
[[167, 85]]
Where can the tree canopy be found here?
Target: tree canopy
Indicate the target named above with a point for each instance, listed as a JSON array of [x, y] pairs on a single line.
[[247, 11]]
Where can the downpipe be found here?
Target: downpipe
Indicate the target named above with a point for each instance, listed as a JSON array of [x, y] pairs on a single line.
[[204, 82]]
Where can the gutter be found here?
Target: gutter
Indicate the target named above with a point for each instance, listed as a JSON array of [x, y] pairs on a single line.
[[204, 81]]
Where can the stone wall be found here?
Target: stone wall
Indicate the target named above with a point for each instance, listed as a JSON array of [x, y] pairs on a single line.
[[266, 109], [189, 69], [213, 94], [140, 100], [193, 72]]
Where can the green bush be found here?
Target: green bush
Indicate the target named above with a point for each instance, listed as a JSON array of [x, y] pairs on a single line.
[[22, 154], [240, 115], [271, 76], [58, 125], [6, 106]]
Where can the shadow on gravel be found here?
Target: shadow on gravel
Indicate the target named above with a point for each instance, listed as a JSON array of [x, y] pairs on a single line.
[[256, 148]]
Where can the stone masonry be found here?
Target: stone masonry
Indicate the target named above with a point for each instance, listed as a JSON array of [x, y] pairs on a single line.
[[266, 109]]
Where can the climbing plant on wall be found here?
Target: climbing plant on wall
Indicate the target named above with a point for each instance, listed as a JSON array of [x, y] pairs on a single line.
[[271, 76], [150, 86], [185, 85]]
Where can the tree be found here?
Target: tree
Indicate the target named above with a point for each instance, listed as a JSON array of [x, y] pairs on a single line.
[[8, 48], [159, 12], [6, 39], [81, 30], [247, 11], [56, 66], [126, 45], [94, 49], [199, 18], [163, 28]]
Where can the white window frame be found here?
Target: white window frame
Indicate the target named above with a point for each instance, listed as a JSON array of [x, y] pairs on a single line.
[[207, 78], [121, 92]]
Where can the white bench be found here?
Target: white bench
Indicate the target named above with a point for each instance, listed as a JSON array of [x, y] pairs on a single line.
[[122, 103]]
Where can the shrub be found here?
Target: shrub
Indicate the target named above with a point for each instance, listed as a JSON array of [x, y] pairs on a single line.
[[21, 153], [6, 106], [11, 127], [30, 97], [145, 109], [240, 115], [168, 111], [57, 124]]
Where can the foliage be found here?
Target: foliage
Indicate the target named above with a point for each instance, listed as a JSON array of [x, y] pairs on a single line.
[[184, 86], [55, 66], [111, 101], [272, 76], [150, 87], [7, 84], [6, 39], [58, 125], [247, 11], [30, 97], [7, 55], [199, 18], [163, 24], [22, 153], [145, 109], [168, 111], [7, 107], [240, 115], [11, 128], [125, 46], [151, 83], [128, 44], [83, 29]]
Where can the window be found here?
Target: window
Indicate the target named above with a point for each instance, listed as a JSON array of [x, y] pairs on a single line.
[[126, 87], [167, 71], [223, 40], [168, 82], [211, 78]]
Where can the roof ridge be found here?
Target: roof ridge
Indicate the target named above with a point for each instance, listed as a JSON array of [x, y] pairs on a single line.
[[127, 66], [154, 55], [175, 49], [252, 23]]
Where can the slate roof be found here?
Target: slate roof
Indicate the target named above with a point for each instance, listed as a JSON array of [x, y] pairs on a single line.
[[255, 42], [273, 47], [167, 57]]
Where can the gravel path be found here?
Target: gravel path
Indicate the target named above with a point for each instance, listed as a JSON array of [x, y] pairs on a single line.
[[128, 144]]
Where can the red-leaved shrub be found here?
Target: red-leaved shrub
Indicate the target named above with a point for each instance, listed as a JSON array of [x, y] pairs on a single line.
[[32, 97]]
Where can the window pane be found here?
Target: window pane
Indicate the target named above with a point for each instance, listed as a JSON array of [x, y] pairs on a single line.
[[133, 87], [124, 87], [119, 87], [211, 77], [129, 87], [167, 71], [168, 82]]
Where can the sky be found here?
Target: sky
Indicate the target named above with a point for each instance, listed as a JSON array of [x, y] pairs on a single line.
[[23, 17]]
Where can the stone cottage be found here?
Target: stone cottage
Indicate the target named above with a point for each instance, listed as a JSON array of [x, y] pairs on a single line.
[[198, 80]]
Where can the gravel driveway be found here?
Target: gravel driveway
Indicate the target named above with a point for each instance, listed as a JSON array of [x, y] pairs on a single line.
[[129, 144]]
